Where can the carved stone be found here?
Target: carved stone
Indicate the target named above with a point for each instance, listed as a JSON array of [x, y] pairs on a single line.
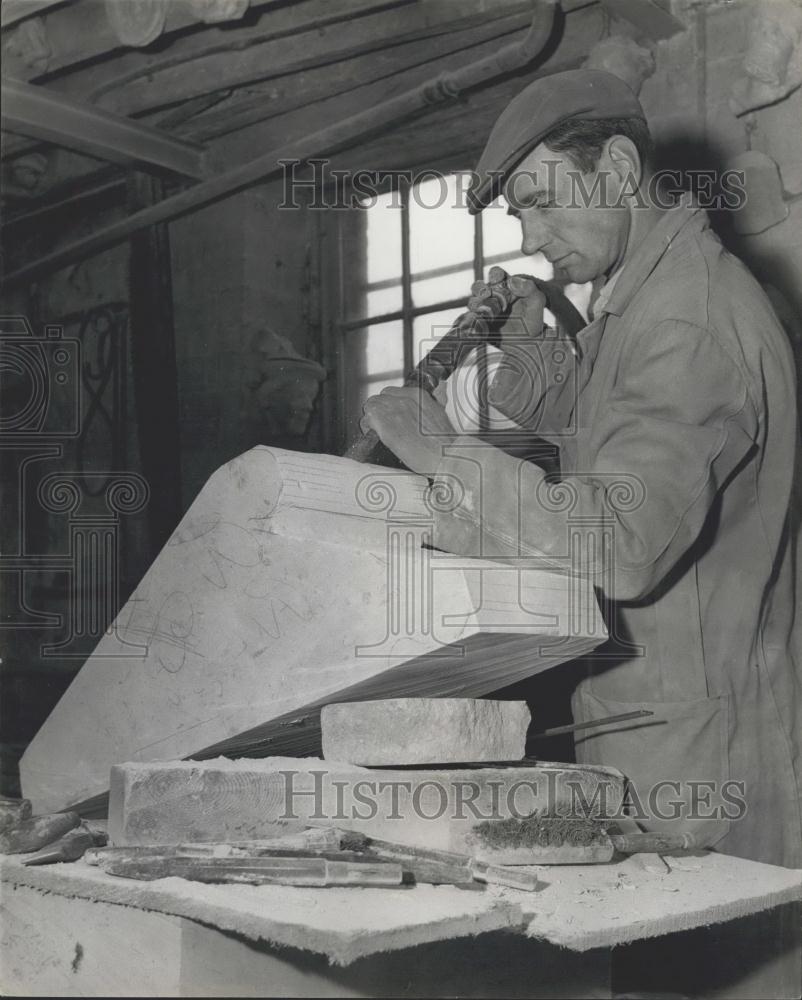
[[137, 22], [293, 581], [623, 57]]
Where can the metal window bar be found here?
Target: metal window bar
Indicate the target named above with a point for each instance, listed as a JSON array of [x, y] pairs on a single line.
[[409, 312]]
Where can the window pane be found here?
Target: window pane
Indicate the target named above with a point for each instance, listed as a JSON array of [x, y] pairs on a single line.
[[383, 300], [384, 254], [428, 329], [428, 291], [440, 228], [375, 350]]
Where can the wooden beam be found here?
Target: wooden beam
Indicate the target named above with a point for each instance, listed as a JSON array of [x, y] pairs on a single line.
[[449, 131], [332, 38], [332, 136], [81, 33], [12, 11], [153, 361], [41, 114], [383, 69]]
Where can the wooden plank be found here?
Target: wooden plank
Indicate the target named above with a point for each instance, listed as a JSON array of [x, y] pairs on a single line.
[[329, 41], [79, 31], [121, 84], [454, 127], [334, 136], [443, 50]]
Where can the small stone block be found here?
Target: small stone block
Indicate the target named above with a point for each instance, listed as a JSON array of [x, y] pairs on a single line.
[[399, 731]]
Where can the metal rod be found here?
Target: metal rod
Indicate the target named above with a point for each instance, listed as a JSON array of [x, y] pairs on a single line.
[[326, 140], [641, 713]]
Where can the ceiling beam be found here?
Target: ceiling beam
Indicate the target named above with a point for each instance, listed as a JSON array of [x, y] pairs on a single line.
[[42, 114], [12, 11]]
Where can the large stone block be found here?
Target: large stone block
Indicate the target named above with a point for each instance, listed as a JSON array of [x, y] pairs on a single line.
[[295, 580], [424, 731], [226, 800]]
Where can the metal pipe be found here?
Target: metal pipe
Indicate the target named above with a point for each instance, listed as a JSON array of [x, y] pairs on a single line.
[[326, 140]]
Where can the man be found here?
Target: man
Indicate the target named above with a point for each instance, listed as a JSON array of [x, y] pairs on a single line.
[[677, 433]]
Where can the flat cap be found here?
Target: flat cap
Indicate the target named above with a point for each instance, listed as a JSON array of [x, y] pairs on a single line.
[[529, 117]]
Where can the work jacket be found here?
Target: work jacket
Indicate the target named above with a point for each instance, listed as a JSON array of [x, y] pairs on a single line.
[[677, 432]]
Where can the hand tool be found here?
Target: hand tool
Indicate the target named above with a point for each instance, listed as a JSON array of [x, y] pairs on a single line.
[[470, 329], [293, 869], [434, 867], [439, 867], [70, 847], [417, 864], [32, 834], [560, 840]]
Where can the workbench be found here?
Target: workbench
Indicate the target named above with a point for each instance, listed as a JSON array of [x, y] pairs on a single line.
[[72, 929]]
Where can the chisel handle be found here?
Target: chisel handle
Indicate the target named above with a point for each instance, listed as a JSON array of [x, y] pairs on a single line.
[[653, 843]]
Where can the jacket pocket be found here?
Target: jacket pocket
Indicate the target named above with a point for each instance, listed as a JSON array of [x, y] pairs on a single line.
[[676, 760]]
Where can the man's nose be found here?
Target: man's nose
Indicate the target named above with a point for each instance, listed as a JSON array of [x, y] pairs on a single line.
[[534, 233]]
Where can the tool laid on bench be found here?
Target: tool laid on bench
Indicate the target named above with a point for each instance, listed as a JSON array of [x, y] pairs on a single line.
[[561, 840], [353, 859]]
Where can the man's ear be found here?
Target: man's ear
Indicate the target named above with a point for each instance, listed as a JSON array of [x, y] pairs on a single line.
[[625, 161]]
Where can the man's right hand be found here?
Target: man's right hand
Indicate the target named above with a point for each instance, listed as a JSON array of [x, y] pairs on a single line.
[[526, 315], [518, 384]]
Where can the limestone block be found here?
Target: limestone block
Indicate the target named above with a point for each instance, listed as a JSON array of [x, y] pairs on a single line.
[[226, 800], [296, 580], [424, 731]]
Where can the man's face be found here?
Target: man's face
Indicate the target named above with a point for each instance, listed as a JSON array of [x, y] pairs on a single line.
[[574, 225]]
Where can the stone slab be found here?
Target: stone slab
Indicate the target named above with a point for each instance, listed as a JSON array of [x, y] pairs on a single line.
[[424, 731], [295, 580], [223, 800]]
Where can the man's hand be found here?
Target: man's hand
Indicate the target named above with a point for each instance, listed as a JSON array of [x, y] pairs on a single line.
[[526, 315], [412, 424], [518, 384]]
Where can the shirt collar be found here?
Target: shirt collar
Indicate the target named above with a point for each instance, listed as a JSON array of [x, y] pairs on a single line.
[[603, 295], [616, 294]]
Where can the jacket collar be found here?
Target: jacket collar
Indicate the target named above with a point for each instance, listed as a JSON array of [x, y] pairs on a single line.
[[650, 251]]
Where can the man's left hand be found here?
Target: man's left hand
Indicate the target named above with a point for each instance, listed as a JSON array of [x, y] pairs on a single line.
[[412, 424]]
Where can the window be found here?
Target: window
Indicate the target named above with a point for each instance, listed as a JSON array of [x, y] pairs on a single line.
[[407, 264]]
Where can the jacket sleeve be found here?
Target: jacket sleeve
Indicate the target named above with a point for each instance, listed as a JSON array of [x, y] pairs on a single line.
[[677, 425]]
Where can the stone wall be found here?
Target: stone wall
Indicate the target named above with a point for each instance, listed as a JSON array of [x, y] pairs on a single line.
[[709, 104], [237, 265]]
